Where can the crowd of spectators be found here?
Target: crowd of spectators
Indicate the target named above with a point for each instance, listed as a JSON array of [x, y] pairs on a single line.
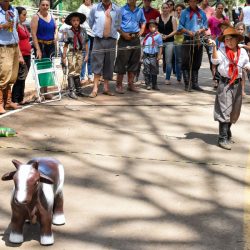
[[107, 30]]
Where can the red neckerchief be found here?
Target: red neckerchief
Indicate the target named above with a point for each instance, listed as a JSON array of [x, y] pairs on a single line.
[[233, 68], [106, 7], [194, 11], [77, 37], [150, 35]]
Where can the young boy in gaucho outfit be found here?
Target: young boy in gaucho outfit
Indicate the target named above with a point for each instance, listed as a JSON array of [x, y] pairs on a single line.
[[76, 40], [151, 55], [230, 59]]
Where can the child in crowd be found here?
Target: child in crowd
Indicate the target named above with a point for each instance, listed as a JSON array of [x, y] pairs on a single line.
[[241, 29], [76, 40], [151, 55], [231, 61]]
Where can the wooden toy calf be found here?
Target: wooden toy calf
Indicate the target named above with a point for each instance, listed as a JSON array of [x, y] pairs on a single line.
[[37, 196]]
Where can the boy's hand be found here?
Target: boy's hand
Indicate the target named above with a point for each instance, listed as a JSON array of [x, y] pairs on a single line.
[[247, 68], [86, 58], [158, 57], [211, 42]]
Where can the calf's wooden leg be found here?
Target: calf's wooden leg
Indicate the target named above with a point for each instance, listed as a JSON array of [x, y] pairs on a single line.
[[58, 214]]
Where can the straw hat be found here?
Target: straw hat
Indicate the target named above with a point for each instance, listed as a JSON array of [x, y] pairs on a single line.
[[230, 31]]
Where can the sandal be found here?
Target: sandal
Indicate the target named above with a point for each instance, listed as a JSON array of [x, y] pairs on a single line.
[[107, 92], [93, 94]]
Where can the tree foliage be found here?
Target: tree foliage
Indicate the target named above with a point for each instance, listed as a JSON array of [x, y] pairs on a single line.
[[72, 5]]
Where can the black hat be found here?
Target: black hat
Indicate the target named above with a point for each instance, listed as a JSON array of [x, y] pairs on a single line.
[[77, 14], [151, 21]]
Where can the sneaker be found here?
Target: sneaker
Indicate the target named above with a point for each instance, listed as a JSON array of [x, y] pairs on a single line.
[[167, 82]]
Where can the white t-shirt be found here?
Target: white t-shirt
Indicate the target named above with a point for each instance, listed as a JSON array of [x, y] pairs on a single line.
[[246, 15], [86, 10]]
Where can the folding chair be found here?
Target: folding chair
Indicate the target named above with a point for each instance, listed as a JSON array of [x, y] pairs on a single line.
[[46, 79]]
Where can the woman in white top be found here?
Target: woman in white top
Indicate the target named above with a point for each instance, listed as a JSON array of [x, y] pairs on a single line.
[[231, 61]]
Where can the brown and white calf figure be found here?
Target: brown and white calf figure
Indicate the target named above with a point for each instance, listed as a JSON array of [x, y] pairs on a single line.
[[37, 197]]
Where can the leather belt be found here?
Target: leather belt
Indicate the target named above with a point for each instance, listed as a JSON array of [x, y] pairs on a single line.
[[9, 45], [45, 42], [150, 55], [105, 38], [134, 35], [227, 80]]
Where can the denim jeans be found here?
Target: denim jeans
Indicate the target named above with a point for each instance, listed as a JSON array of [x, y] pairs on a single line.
[[169, 50], [48, 50], [88, 64], [178, 56]]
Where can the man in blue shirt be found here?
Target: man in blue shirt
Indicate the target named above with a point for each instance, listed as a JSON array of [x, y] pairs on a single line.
[[104, 20], [127, 61], [10, 54], [193, 24]]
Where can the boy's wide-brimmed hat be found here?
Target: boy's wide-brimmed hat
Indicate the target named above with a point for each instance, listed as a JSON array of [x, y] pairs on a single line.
[[81, 16], [230, 31], [151, 21]]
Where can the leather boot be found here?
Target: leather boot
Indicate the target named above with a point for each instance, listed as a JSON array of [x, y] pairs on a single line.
[[223, 136], [9, 104], [186, 79], [229, 133], [2, 110], [147, 81], [195, 85], [131, 86], [79, 91], [154, 82], [71, 86]]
